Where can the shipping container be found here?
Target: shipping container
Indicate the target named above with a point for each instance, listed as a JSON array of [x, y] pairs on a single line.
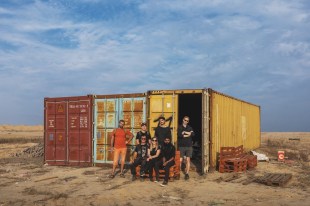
[[217, 119], [78, 129], [108, 110], [68, 131]]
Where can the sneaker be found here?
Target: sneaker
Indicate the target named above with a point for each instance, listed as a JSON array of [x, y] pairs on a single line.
[[164, 184], [186, 177], [156, 180], [142, 174], [134, 177]]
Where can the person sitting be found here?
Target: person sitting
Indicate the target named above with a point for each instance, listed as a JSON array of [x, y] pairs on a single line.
[[153, 157], [139, 158], [167, 160]]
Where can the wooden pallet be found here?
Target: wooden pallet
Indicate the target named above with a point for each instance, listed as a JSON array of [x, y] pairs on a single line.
[[274, 179]]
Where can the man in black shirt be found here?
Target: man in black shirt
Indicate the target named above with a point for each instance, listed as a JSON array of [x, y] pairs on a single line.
[[185, 143], [167, 160], [139, 158], [162, 131], [141, 132]]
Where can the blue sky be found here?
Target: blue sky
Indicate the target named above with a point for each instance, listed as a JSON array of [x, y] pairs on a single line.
[[258, 51]]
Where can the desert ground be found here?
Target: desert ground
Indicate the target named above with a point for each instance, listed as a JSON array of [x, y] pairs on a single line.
[[26, 180]]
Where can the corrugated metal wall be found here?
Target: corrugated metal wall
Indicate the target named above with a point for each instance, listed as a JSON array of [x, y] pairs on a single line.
[[165, 104], [68, 130], [233, 123]]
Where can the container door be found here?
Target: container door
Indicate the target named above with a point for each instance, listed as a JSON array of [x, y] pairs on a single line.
[[61, 133], [50, 128], [107, 114], [133, 112], [164, 105], [79, 137], [106, 119], [205, 143]]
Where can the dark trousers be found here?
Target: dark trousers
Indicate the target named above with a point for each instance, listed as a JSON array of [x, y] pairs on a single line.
[[151, 165], [159, 164], [137, 162]]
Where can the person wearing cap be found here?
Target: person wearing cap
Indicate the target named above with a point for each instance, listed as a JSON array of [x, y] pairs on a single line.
[[143, 131], [185, 143], [162, 131], [140, 157]]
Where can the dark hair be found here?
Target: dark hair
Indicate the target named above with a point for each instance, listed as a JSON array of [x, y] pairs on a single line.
[[121, 121], [161, 117]]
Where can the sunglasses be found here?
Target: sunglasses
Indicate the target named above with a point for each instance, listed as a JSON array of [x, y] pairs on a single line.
[[154, 140], [186, 120], [143, 138]]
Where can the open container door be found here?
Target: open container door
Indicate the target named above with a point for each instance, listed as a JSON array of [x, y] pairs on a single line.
[[163, 103], [205, 144]]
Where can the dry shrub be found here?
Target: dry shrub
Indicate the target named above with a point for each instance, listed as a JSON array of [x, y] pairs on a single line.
[[21, 140]]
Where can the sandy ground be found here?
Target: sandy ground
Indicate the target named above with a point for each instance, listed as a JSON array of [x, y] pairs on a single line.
[[24, 180]]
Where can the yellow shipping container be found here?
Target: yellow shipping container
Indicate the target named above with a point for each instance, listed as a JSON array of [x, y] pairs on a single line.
[[217, 119]]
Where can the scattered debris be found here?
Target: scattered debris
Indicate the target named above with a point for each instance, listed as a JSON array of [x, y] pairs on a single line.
[[260, 157], [274, 179], [48, 178], [34, 151]]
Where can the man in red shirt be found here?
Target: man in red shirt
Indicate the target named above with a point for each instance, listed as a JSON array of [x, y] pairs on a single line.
[[118, 144]]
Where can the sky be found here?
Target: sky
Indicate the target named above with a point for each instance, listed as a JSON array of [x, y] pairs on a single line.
[[257, 51]]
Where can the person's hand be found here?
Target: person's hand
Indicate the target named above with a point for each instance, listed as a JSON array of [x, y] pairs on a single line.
[[165, 163]]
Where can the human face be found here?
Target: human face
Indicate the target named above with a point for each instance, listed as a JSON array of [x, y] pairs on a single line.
[[143, 140], [185, 121], [154, 141], [143, 127], [121, 124], [162, 121], [167, 141]]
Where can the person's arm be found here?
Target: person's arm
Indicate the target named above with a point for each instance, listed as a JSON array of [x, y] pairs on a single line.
[[130, 136], [172, 158], [134, 156], [180, 134], [137, 138], [112, 139]]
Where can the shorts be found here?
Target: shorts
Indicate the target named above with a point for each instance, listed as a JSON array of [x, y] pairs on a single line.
[[186, 151], [119, 152]]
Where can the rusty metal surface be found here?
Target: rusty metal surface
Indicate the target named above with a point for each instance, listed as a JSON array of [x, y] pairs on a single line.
[[68, 130]]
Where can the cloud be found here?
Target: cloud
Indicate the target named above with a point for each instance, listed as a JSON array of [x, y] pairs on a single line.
[[251, 50]]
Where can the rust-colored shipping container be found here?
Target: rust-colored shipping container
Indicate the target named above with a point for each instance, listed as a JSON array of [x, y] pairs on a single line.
[[68, 131]]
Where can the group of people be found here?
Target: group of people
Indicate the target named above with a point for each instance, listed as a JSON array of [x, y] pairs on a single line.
[[152, 153]]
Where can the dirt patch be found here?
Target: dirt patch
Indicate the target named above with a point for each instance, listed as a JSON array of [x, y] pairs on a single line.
[[33, 183]]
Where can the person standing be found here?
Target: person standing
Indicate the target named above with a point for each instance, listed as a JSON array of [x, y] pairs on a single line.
[[143, 131], [118, 144], [185, 143], [167, 160], [153, 157], [162, 131], [140, 158]]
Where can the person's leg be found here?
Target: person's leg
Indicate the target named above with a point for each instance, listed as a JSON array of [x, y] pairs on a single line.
[[158, 164], [151, 165], [143, 167], [189, 153], [133, 166], [123, 158], [167, 170], [182, 154], [115, 160], [188, 164]]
